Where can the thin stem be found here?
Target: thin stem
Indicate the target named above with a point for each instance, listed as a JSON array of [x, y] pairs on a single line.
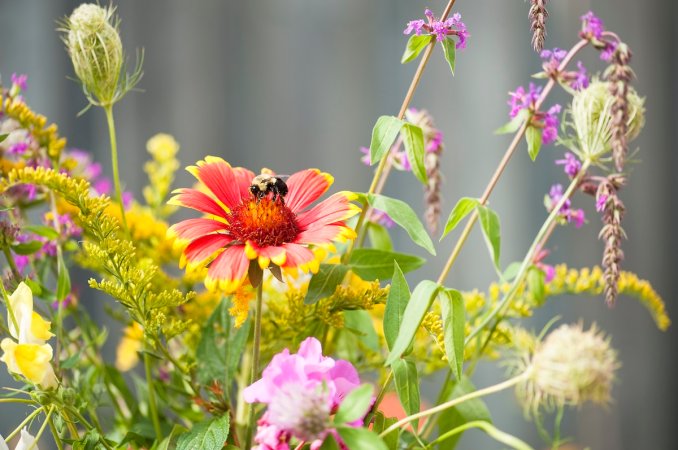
[[498, 435], [114, 162], [504, 163], [152, 406], [23, 424], [380, 397], [55, 434], [255, 360], [470, 396], [376, 180], [10, 310], [12, 264], [527, 261], [57, 227], [42, 429]]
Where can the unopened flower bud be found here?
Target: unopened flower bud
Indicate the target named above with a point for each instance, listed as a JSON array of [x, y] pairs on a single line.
[[94, 45], [570, 367]]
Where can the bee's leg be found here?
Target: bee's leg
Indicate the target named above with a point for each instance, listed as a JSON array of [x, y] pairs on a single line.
[[275, 194]]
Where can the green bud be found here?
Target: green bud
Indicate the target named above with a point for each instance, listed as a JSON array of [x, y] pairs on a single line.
[[94, 45], [591, 119]]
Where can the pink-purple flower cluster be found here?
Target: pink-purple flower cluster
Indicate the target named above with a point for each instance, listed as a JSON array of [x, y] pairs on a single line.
[[301, 390], [572, 215], [441, 29], [577, 80], [592, 28], [20, 81], [521, 99], [571, 165]]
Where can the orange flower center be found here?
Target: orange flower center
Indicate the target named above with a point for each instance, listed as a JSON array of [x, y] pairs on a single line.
[[266, 222]]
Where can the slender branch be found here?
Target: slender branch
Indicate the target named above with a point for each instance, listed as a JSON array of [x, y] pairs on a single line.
[[255, 360], [42, 429], [470, 396], [152, 406], [12, 263], [55, 434], [114, 162], [30, 417]]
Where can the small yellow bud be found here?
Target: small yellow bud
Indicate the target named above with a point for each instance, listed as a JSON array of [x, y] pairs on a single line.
[[162, 147]]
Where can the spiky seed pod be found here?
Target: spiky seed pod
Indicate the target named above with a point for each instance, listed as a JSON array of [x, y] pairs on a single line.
[[612, 234], [619, 76], [94, 45], [570, 367], [538, 15]]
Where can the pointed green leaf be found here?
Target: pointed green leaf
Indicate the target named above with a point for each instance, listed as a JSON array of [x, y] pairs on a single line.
[[414, 47], [419, 304], [463, 207], [398, 296], [407, 386], [329, 443], [360, 322], [533, 136], [514, 124], [453, 313], [3, 136], [208, 435], [469, 411], [381, 423], [404, 216], [42, 230], [535, 284], [489, 223], [379, 237], [355, 405], [450, 52], [370, 264], [413, 137], [27, 248], [384, 134], [325, 282], [361, 439]]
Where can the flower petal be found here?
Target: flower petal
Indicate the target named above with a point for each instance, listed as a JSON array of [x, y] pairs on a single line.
[[218, 176], [264, 255], [203, 247], [326, 234], [243, 178], [193, 198], [333, 209], [193, 228], [229, 270], [305, 187], [301, 257]]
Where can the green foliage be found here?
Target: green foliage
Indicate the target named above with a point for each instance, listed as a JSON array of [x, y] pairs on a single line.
[[489, 223], [406, 381], [372, 264], [452, 311], [379, 237], [325, 282], [383, 136], [450, 52], [361, 438], [405, 217], [208, 435], [515, 123], [468, 411], [533, 137], [415, 45], [398, 296], [413, 138], [355, 405], [463, 207]]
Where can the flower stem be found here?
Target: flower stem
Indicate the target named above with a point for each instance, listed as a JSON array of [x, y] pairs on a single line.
[[55, 434], [42, 429], [536, 244], [114, 162], [8, 305], [442, 407], [504, 163], [152, 406], [12, 264], [255, 361], [376, 180], [23, 424]]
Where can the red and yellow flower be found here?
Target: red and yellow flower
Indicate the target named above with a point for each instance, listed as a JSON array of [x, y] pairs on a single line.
[[238, 230]]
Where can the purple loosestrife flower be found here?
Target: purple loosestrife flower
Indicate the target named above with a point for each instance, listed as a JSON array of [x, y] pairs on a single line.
[[521, 99], [550, 133], [416, 26], [580, 79], [20, 81], [441, 29], [570, 164], [555, 194], [601, 201], [365, 159], [591, 26], [607, 51]]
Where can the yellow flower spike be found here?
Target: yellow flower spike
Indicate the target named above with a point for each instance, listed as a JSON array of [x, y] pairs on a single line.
[[241, 305], [162, 147]]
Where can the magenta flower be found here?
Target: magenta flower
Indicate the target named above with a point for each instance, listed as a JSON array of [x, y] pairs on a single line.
[[555, 194], [607, 51], [20, 81], [521, 99], [294, 386], [570, 164], [416, 26], [550, 133], [591, 26], [435, 144], [601, 201], [580, 79], [382, 218], [452, 26], [18, 149], [577, 216]]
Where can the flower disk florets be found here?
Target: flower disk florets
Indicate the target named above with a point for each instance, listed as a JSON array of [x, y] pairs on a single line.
[[265, 222]]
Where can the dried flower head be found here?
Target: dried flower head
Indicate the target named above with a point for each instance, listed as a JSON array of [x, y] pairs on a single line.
[[538, 16], [612, 233], [570, 367], [619, 76], [591, 118]]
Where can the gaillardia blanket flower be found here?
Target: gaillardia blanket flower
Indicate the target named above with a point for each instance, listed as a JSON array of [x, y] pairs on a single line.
[[241, 233]]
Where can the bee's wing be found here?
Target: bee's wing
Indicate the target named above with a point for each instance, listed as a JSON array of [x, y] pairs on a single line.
[[283, 177]]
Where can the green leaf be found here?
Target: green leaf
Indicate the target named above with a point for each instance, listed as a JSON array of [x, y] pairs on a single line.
[[63, 278], [360, 322], [220, 347], [355, 405], [383, 135], [379, 237], [398, 296], [325, 282], [329, 443], [361, 439], [416, 308], [489, 223], [407, 386], [380, 424], [452, 311], [370, 264], [533, 136], [450, 52], [413, 137], [468, 411], [404, 216], [535, 284], [514, 124], [27, 248], [208, 435], [463, 207], [170, 442], [3, 136], [414, 47], [511, 271], [42, 230]]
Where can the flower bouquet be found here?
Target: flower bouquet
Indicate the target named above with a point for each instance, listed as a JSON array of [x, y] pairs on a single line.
[[279, 317]]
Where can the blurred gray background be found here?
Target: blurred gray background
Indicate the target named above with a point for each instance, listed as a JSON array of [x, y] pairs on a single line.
[[291, 84]]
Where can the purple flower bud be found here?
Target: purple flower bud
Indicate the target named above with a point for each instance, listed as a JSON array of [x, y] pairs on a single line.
[[550, 132], [601, 201], [414, 25], [18, 149], [577, 216], [366, 158], [570, 164], [20, 81], [581, 80], [382, 218], [592, 26]]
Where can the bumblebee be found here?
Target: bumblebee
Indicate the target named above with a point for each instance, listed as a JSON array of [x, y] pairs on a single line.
[[263, 184]]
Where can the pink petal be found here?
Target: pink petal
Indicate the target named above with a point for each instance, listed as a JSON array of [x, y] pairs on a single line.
[[297, 255], [204, 246], [333, 209], [323, 234], [217, 175], [311, 349], [194, 228], [243, 178], [229, 269], [193, 198], [305, 187]]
